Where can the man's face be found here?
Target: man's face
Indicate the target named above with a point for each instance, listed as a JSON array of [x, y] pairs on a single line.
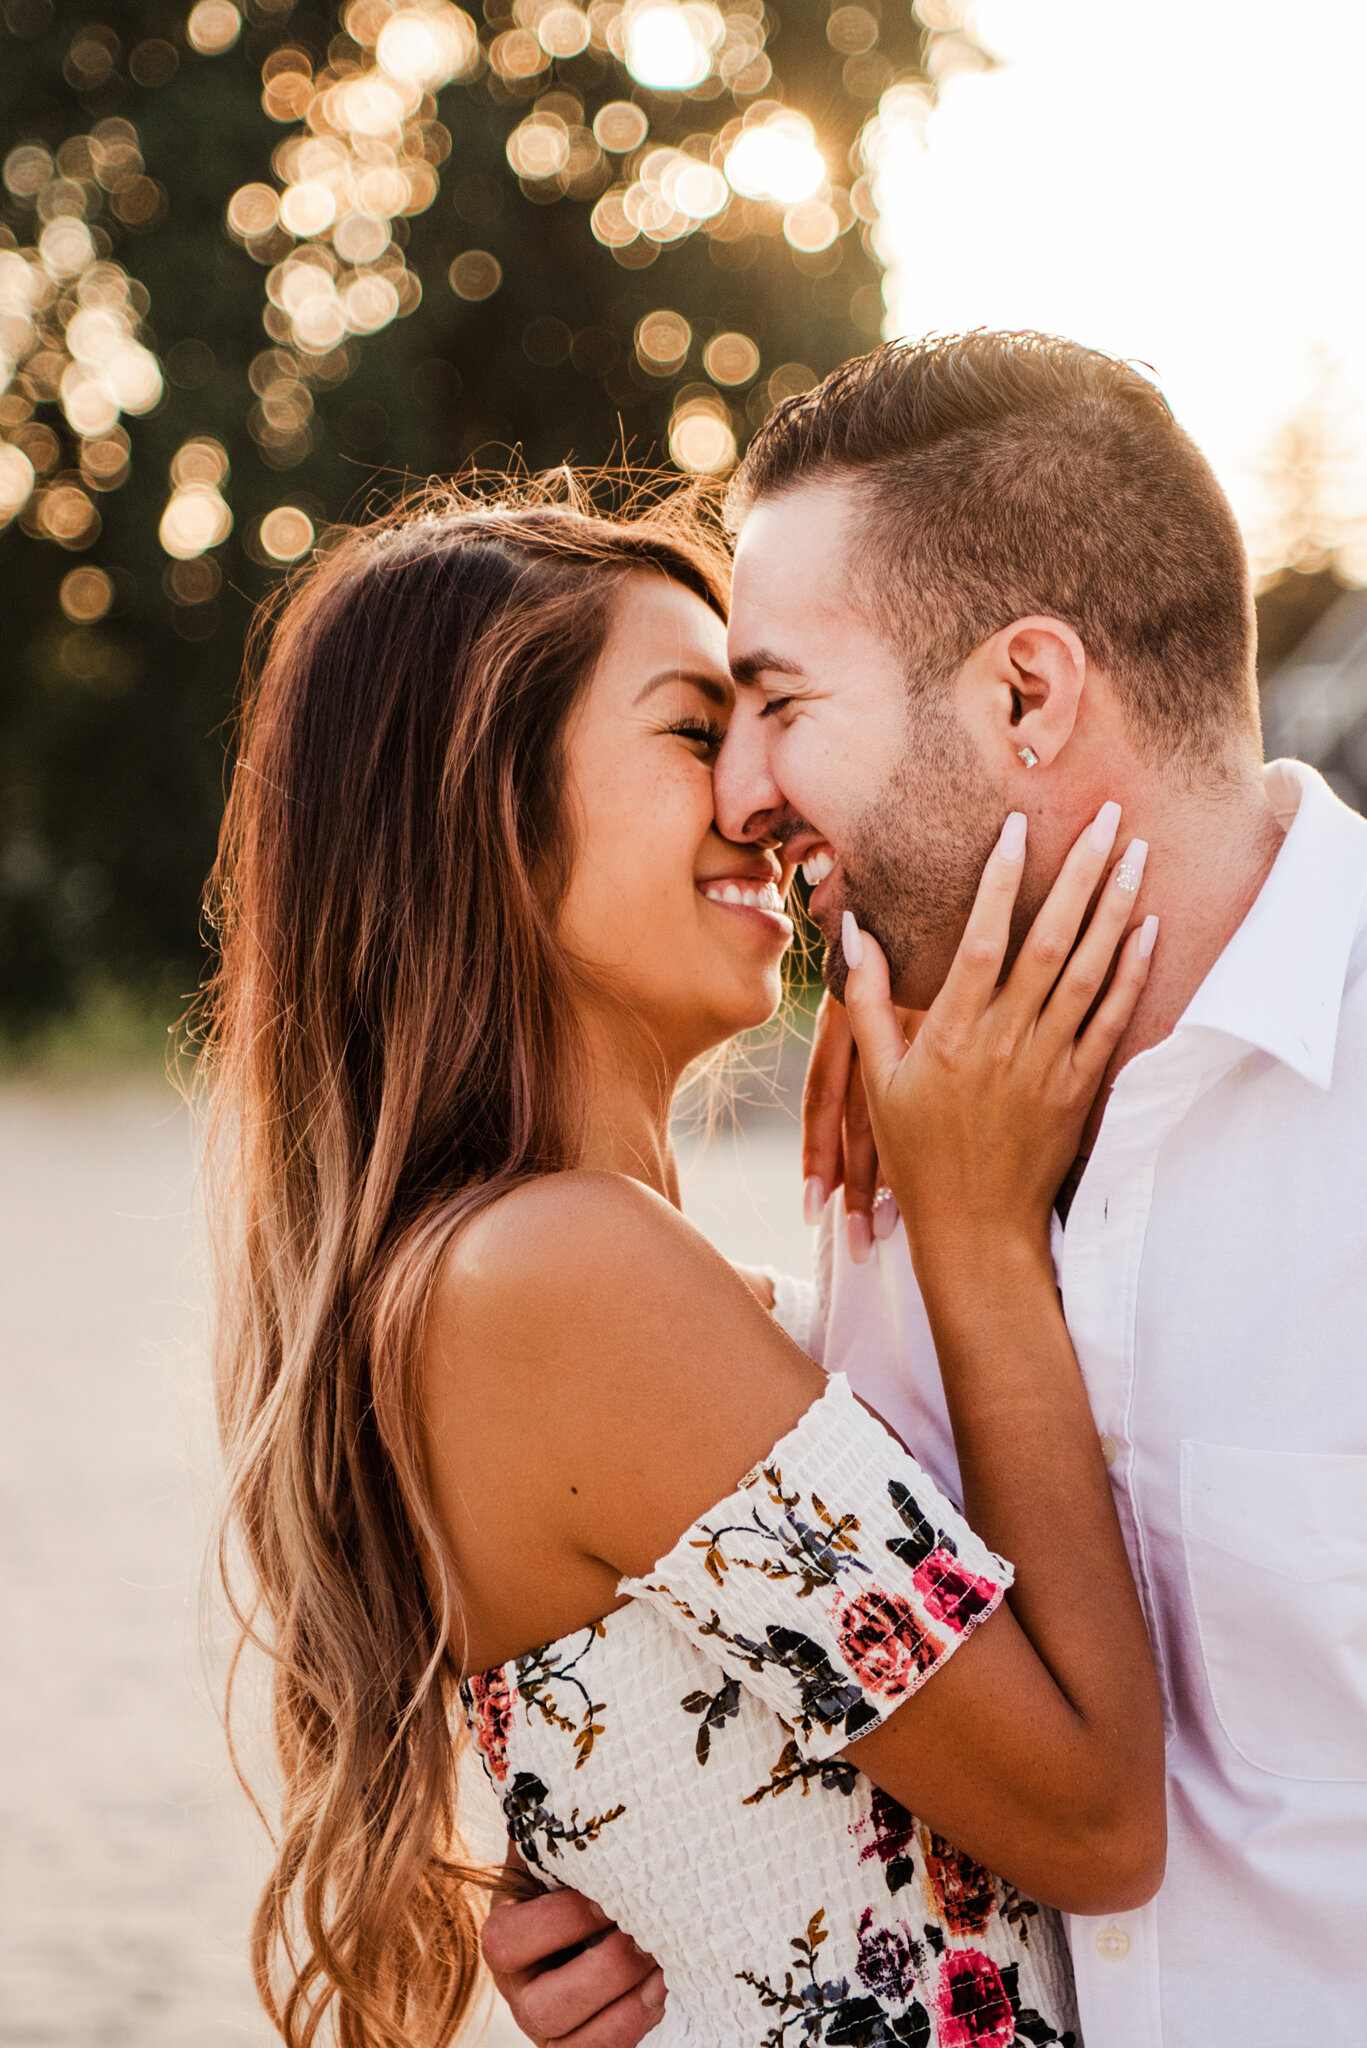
[[870, 781]]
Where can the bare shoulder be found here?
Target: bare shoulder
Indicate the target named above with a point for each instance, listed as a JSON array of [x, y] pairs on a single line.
[[567, 1246], [586, 1317], [559, 1219]]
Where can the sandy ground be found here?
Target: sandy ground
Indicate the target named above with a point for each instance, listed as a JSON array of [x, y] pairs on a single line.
[[128, 1859]]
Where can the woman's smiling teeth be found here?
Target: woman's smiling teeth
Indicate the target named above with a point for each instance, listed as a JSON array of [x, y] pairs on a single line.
[[817, 866], [752, 895]]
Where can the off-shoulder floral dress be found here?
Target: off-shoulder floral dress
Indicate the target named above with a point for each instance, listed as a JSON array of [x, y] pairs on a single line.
[[681, 1762]]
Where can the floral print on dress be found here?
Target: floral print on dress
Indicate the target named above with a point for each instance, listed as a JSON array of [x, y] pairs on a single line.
[[489, 1713], [978, 2005], [685, 1761], [839, 1612], [810, 2008], [893, 1843], [965, 1893], [832, 1773], [548, 1680], [883, 1642], [952, 1594], [715, 1710], [971, 2003], [887, 1959], [534, 1828], [814, 1553], [975, 2002]]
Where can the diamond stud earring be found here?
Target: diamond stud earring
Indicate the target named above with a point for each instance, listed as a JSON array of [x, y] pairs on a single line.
[[1029, 756]]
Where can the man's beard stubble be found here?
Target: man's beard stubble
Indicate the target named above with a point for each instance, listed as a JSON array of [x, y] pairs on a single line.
[[915, 856]]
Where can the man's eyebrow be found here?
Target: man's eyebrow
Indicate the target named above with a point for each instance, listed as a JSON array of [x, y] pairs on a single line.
[[713, 688], [763, 661]]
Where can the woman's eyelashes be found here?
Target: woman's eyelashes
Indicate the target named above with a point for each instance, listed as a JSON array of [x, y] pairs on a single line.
[[705, 731]]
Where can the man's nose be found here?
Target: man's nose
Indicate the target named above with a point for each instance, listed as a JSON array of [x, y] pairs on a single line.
[[749, 803]]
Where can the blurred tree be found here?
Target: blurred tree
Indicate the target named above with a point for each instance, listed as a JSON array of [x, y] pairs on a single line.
[[1312, 543], [253, 270]]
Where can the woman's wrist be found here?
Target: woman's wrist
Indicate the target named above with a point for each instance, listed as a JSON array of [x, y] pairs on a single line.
[[981, 1263]]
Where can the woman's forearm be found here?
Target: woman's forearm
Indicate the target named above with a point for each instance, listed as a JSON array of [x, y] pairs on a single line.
[[1035, 1483]]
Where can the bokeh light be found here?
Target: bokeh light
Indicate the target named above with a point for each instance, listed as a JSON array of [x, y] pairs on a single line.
[[252, 211], [790, 380], [702, 439], [777, 159], [197, 517], [517, 54], [731, 358], [852, 30], [427, 45], [357, 153], [667, 45], [475, 275], [663, 340], [70, 327], [105, 460], [202, 461], [564, 31], [197, 581], [213, 27], [67, 515], [811, 226], [362, 157], [620, 126], [16, 481], [27, 169], [365, 146], [66, 248], [86, 595], [286, 533]]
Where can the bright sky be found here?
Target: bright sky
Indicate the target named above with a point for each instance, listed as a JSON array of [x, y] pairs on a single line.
[[1184, 185]]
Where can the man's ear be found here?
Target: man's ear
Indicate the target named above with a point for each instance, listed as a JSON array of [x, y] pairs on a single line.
[[1020, 692]]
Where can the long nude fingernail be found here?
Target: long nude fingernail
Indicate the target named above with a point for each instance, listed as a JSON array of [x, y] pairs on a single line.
[[1148, 937], [1104, 828], [851, 943], [1130, 872], [813, 1199], [885, 1214], [860, 1235], [1011, 845]]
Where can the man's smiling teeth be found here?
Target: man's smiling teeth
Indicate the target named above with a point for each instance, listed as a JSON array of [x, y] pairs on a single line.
[[754, 896], [817, 866]]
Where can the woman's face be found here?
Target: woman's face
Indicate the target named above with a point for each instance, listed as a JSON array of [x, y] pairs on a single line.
[[685, 927]]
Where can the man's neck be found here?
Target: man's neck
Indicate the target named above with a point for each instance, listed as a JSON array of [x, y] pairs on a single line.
[[1208, 859]]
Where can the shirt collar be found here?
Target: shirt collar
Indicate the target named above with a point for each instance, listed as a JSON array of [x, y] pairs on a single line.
[[1279, 983]]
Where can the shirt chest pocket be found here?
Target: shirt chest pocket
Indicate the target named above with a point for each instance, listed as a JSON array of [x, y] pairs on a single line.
[[1276, 1549]]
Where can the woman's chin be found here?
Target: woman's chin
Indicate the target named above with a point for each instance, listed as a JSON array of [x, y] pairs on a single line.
[[751, 1006]]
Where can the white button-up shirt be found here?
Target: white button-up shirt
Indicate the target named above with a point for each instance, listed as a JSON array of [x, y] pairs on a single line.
[[1214, 1275]]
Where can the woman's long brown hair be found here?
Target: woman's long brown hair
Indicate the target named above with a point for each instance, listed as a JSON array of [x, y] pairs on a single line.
[[389, 1046]]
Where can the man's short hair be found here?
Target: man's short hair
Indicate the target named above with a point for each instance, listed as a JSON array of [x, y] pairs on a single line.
[[1005, 474]]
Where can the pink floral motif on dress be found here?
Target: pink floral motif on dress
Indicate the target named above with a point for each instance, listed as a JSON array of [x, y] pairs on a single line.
[[971, 2003], [952, 1593], [884, 1643], [491, 1703]]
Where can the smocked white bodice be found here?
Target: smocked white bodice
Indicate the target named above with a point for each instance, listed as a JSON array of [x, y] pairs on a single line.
[[681, 1762]]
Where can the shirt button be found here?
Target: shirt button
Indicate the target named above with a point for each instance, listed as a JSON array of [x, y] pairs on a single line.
[[1109, 1451], [1113, 1944]]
